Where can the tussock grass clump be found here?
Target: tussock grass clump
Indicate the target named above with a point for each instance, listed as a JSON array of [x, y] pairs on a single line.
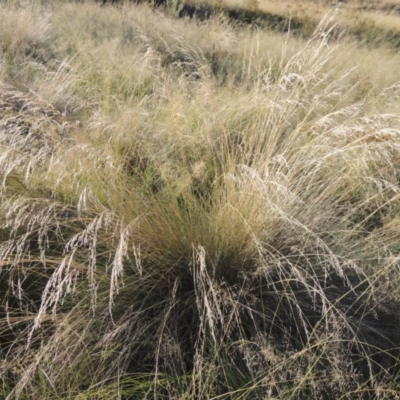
[[20, 33], [192, 236]]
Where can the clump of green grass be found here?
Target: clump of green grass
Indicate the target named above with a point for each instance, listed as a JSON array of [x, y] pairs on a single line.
[[192, 236]]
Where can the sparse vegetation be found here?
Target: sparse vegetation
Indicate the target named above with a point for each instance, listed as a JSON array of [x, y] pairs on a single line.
[[196, 208]]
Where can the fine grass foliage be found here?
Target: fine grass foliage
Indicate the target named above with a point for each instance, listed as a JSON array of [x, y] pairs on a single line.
[[189, 211]]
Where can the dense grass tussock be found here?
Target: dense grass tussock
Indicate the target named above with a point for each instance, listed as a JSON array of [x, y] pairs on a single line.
[[178, 224]]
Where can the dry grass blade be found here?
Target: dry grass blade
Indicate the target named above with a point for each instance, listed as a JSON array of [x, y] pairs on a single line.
[[194, 210]]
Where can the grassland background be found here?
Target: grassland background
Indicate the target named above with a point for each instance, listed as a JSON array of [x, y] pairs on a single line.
[[199, 208]]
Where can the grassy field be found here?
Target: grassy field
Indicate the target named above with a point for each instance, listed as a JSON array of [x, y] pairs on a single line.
[[372, 22], [199, 208]]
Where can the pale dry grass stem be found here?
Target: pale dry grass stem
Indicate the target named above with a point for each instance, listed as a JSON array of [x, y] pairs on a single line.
[[209, 229]]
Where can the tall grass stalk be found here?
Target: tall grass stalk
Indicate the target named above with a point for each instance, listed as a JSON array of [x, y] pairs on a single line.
[[174, 228]]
